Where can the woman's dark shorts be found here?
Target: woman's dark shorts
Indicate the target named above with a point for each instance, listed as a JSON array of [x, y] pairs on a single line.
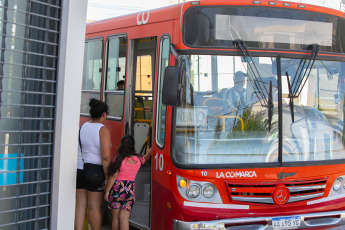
[[80, 183], [91, 178], [122, 195]]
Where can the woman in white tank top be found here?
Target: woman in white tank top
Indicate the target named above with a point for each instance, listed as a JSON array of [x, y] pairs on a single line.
[[93, 161]]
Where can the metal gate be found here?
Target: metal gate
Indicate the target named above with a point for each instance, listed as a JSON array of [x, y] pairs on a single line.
[[28, 68]]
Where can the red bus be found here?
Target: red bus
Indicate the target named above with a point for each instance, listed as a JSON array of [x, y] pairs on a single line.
[[248, 111]]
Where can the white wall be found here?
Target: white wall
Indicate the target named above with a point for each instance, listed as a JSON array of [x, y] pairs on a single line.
[[70, 67]]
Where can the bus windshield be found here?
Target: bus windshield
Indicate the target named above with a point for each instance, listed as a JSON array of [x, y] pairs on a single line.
[[230, 116]]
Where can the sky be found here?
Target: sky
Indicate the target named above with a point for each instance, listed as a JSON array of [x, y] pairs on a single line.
[[102, 9]]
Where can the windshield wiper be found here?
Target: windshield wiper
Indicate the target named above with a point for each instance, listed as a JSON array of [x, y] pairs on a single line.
[[301, 77], [253, 74], [256, 82], [270, 107]]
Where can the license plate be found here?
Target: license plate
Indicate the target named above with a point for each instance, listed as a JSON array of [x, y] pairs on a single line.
[[286, 222]]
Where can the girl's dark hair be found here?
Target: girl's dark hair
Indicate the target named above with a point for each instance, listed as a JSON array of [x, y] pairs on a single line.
[[97, 108], [126, 149]]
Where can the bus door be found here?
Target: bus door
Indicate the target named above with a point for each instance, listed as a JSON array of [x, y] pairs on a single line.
[[139, 123]]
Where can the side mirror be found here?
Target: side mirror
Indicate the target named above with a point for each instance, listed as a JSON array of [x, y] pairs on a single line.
[[172, 87]]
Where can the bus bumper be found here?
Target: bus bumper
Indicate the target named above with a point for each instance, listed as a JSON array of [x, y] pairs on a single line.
[[308, 220]]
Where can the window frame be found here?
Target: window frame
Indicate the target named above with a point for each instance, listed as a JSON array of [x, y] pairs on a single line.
[[159, 104], [105, 75], [95, 39]]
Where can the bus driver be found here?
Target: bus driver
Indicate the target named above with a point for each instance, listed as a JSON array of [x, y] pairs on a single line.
[[236, 96]]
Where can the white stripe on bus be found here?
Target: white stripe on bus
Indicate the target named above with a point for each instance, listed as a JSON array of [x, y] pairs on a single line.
[[326, 199], [209, 205]]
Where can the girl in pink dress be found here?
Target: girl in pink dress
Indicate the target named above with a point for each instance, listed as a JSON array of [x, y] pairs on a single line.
[[119, 192]]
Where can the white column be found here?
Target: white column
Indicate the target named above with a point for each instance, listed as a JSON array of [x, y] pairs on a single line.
[[69, 79]]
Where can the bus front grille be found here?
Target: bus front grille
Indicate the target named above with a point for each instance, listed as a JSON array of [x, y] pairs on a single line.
[[263, 193]]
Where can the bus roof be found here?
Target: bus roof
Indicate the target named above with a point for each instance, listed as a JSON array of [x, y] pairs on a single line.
[[155, 15], [175, 11]]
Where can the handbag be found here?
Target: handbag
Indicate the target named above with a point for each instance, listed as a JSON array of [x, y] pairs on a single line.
[[93, 174]]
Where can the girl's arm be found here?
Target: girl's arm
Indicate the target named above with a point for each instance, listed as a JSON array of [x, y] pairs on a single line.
[[148, 154], [105, 141], [111, 181]]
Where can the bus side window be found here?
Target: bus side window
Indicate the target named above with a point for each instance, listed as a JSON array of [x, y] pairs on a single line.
[[91, 86], [116, 73], [161, 108]]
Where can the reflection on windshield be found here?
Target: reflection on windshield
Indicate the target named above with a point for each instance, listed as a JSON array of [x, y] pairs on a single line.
[[223, 119], [317, 131]]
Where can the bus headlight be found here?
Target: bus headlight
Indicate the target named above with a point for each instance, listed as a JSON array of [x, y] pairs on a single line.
[[193, 191], [198, 191], [208, 191], [337, 184]]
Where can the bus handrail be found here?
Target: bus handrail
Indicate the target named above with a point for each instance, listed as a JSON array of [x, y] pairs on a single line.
[[142, 121]]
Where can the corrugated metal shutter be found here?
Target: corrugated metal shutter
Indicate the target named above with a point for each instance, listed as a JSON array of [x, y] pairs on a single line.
[[28, 69]]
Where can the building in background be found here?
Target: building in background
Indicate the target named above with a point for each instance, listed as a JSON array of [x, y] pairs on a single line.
[[40, 67]]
